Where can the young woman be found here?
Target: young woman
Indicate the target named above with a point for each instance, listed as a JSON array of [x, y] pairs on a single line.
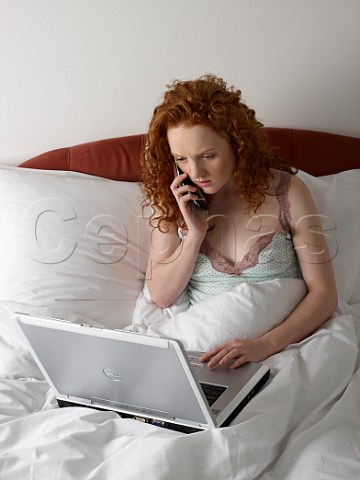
[[261, 222]]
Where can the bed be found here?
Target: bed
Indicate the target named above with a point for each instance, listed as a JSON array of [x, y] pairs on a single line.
[[74, 245]]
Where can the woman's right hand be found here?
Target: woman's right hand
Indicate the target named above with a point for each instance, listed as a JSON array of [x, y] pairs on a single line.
[[195, 218]]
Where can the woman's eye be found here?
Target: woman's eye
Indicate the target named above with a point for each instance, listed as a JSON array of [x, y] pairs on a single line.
[[179, 159], [208, 156]]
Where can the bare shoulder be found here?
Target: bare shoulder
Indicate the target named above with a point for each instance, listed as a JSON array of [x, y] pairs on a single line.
[[298, 185], [165, 230], [165, 227], [300, 199]]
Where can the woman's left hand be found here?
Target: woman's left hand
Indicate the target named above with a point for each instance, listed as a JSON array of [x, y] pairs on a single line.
[[237, 352]]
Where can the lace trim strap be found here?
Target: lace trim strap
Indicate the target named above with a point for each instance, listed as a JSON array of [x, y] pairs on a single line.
[[283, 199]]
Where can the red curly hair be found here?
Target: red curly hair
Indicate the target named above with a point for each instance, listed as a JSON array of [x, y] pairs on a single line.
[[210, 102]]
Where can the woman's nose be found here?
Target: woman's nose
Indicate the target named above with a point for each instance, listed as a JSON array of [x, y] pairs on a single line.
[[196, 171]]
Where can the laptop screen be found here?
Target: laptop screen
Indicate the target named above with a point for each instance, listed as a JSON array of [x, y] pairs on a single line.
[[114, 369]]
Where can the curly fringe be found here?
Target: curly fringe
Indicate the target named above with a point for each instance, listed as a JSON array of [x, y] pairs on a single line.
[[206, 101]]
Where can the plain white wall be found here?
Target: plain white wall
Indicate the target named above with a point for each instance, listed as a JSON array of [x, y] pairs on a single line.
[[79, 70]]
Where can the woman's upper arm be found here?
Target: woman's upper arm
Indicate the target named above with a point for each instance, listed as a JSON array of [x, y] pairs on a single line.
[[309, 238]]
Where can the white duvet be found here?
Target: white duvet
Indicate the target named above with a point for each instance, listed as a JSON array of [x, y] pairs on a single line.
[[304, 424]]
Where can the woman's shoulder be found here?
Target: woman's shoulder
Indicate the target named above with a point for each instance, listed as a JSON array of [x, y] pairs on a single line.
[[297, 186], [279, 181], [300, 199], [282, 181], [163, 221], [166, 228]]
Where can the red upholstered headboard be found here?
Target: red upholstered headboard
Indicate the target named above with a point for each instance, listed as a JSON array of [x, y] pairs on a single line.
[[318, 153]]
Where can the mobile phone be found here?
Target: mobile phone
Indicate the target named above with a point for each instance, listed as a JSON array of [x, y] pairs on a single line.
[[199, 202]]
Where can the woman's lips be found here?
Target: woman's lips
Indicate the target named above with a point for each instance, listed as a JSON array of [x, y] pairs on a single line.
[[204, 183]]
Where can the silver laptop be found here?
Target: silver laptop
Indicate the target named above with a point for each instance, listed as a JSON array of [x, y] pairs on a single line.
[[149, 378]]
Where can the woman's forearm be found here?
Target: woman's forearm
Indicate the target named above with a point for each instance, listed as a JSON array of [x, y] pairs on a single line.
[[308, 316], [167, 279]]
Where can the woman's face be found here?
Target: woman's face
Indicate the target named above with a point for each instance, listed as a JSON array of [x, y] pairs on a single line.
[[204, 155]]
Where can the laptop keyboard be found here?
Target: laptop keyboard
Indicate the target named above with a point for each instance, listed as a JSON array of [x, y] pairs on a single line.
[[212, 392]]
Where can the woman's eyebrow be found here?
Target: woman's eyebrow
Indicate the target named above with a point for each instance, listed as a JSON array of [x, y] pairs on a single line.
[[208, 150], [201, 152]]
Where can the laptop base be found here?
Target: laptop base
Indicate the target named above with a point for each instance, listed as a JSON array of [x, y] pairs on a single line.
[[157, 423], [175, 426]]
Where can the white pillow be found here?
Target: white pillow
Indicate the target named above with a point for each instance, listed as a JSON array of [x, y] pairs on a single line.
[[72, 245], [355, 296], [338, 199], [247, 311]]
